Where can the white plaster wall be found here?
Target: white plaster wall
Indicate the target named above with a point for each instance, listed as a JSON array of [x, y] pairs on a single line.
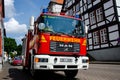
[[89, 6], [89, 35], [113, 35], [109, 11], [101, 23], [110, 18], [113, 28], [90, 47], [106, 54], [93, 27], [114, 43], [118, 9], [86, 21], [104, 45], [90, 41], [86, 16], [96, 47], [56, 8], [97, 1], [108, 4], [117, 2]]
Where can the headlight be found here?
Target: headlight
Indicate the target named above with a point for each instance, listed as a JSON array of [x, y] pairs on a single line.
[[41, 59], [85, 61]]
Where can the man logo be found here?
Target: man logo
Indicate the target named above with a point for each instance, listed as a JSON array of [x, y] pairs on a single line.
[[66, 49]]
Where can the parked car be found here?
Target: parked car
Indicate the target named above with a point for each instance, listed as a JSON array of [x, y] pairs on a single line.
[[17, 61], [10, 60]]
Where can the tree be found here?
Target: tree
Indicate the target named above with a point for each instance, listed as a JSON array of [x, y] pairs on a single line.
[[10, 44], [19, 49]]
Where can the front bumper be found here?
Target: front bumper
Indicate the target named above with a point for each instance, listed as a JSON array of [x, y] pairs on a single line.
[[61, 63]]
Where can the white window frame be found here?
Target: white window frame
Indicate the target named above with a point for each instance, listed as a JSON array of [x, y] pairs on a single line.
[[96, 40], [92, 18], [99, 14], [103, 35]]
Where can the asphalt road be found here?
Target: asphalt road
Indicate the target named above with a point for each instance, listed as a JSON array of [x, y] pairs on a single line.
[[95, 72]]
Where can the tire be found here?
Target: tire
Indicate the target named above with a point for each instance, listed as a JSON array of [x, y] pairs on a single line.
[[34, 74], [70, 73], [23, 68]]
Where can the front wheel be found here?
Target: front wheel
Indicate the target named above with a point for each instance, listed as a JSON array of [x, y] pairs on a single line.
[[33, 73], [71, 73]]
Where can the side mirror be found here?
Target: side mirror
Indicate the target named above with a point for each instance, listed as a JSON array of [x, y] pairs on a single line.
[[41, 26], [31, 23]]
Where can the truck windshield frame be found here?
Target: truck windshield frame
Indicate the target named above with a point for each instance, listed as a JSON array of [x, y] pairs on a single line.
[[63, 25]]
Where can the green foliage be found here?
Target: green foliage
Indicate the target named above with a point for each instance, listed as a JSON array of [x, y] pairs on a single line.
[[12, 55], [10, 45], [19, 49]]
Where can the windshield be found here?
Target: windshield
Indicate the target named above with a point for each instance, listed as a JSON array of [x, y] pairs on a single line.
[[57, 24], [17, 58]]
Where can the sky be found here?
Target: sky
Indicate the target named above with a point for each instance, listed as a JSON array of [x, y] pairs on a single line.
[[17, 16]]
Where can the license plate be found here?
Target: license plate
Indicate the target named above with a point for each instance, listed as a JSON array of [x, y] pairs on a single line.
[[65, 60]]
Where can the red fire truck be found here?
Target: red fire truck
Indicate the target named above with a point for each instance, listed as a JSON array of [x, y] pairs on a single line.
[[55, 42]]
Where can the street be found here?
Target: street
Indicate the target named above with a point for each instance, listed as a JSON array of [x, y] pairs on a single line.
[[95, 72]]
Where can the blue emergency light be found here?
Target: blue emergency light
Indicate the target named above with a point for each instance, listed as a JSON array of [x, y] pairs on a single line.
[[77, 16], [45, 10]]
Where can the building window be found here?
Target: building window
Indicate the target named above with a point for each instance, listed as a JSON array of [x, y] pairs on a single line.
[[96, 16], [92, 18], [103, 35], [96, 38], [99, 14]]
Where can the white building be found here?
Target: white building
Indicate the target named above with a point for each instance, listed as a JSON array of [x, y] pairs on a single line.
[[2, 32], [55, 6], [103, 19]]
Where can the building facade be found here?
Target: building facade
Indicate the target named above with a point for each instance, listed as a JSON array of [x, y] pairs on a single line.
[[55, 6], [1, 33], [103, 20]]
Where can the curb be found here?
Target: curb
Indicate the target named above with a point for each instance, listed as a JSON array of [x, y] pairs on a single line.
[[102, 62]]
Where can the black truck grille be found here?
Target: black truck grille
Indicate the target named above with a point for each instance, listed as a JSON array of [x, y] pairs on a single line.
[[64, 47]]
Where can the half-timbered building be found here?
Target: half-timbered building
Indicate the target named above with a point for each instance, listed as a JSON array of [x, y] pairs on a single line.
[[55, 6], [103, 20]]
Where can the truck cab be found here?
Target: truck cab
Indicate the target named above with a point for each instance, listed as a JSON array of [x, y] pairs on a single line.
[[56, 42]]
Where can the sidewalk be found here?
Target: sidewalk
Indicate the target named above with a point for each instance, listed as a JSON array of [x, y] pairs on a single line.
[[0, 67], [105, 62], [3, 67]]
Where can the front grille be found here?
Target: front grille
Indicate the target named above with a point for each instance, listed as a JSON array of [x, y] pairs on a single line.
[[64, 47], [59, 66], [72, 66]]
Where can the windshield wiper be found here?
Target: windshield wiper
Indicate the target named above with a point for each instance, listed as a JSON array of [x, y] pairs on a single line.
[[62, 33], [78, 36]]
